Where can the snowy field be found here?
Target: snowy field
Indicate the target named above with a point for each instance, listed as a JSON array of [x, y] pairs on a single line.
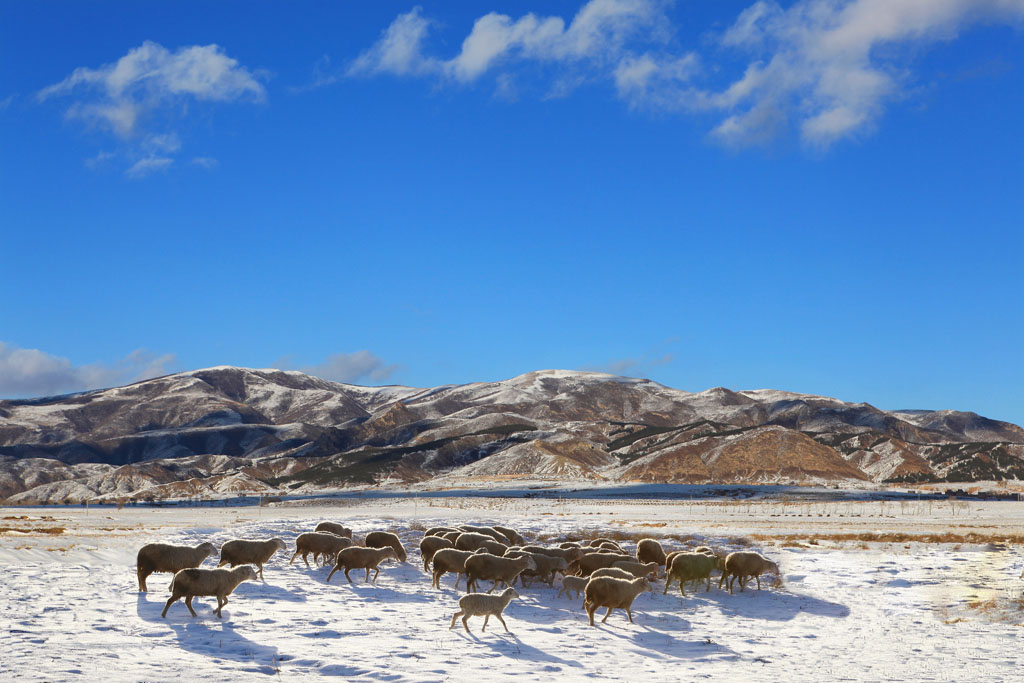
[[859, 599]]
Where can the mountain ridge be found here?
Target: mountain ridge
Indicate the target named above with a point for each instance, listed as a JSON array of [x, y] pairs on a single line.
[[557, 424]]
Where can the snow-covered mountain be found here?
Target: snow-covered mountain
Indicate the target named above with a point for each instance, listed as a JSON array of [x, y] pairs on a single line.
[[228, 429]]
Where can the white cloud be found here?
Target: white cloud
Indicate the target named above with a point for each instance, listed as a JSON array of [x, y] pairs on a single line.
[[205, 162], [820, 62], [597, 35], [150, 87], [31, 372], [147, 166], [826, 67], [351, 368], [399, 50]]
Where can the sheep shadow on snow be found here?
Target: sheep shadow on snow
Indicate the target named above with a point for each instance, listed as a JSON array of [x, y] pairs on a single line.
[[207, 635], [509, 645], [771, 605]]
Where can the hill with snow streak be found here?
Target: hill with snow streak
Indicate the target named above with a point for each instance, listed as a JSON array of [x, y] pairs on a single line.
[[233, 430]]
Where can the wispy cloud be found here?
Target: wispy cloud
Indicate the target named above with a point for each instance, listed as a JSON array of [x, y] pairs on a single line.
[[596, 37], [149, 89], [147, 166], [351, 368], [31, 372], [205, 162], [817, 67], [640, 366]]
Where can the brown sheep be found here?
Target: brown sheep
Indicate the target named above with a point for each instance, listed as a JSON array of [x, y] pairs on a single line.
[[609, 592], [382, 539], [161, 557], [430, 545], [744, 565], [650, 550]]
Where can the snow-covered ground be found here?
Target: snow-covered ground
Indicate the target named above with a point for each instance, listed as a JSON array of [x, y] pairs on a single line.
[[846, 609]]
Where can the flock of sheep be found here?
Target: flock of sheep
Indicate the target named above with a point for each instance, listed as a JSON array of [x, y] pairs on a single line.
[[601, 569]]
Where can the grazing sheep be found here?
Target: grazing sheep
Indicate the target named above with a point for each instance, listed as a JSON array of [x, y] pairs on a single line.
[[334, 528], [567, 554], [486, 531], [648, 569], [609, 547], [585, 565], [382, 539], [319, 543], [744, 565], [611, 571], [493, 547], [249, 552], [573, 584], [482, 604], [606, 591], [438, 530], [451, 535], [189, 583], [358, 557], [497, 569], [569, 544], [471, 540], [161, 557], [430, 545], [650, 550], [599, 541], [513, 536], [449, 560], [690, 567], [547, 567]]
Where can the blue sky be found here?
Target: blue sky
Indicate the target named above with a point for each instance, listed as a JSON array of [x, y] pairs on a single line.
[[820, 196]]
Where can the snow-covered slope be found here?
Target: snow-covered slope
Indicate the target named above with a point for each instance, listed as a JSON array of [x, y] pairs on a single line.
[[550, 423]]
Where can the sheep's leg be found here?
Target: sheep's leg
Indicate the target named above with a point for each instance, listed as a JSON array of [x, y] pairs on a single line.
[[142, 579], [629, 614], [681, 589], [456, 616], [758, 577], [708, 590], [465, 622], [221, 601], [606, 614], [296, 555], [486, 618], [458, 577], [425, 561], [591, 608], [260, 565], [492, 588], [347, 576], [437, 579], [170, 601], [331, 574], [188, 603], [502, 622], [306, 560], [222, 563]]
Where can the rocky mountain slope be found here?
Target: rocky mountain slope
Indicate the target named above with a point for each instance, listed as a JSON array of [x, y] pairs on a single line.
[[232, 430]]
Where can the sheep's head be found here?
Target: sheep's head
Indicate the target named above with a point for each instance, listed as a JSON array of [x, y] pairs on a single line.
[[773, 567], [208, 548], [511, 593], [247, 572], [531, 564], [389, 552], [645, 584], [279, 543]]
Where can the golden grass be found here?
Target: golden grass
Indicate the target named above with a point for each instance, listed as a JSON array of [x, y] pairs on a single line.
[[50, 530], [896, 537]]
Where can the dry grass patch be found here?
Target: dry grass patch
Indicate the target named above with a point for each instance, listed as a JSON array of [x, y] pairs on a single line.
[[896, 537]]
